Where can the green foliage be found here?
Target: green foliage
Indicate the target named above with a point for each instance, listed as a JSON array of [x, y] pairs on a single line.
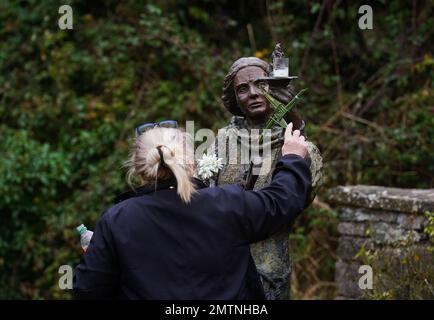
[[429, 228], [69, 101], [313, 242]]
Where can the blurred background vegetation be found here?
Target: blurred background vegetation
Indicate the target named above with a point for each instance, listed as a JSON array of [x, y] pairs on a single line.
[[69, 101]]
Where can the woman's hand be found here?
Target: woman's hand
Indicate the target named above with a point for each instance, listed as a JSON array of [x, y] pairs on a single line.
[[294, 143]]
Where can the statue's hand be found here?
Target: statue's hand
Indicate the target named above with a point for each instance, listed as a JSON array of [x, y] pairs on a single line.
[[284, 95]]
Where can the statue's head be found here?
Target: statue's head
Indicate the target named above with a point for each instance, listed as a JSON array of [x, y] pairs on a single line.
[[241, 95]]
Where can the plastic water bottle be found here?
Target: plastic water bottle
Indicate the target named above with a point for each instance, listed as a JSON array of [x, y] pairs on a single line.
[[85, 236]]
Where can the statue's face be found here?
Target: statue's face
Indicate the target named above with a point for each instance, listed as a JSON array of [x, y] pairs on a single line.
[[249, 98]]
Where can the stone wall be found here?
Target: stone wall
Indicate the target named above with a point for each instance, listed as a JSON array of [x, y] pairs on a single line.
[[385, 222]]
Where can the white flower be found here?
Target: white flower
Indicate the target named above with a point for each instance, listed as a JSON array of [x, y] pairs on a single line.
[[208, 166]]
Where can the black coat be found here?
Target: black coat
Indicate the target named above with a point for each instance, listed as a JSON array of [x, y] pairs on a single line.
[[153, 246]]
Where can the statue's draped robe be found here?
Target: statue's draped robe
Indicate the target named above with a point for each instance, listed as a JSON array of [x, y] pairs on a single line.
[[271, 256]]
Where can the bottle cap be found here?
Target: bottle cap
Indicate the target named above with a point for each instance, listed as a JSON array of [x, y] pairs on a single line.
[[81, 229]]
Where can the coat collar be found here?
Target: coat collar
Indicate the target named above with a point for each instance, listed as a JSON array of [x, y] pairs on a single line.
[[160, 185]]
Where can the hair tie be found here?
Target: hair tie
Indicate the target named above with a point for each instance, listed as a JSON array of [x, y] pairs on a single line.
[[161, 155]]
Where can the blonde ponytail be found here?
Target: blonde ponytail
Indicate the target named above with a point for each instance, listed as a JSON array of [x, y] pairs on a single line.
[[161, 153]]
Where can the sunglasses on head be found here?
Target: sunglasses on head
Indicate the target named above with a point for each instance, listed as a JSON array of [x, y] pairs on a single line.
[[151, 125]]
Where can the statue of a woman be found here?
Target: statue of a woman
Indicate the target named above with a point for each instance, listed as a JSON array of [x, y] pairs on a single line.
[[251, 110]]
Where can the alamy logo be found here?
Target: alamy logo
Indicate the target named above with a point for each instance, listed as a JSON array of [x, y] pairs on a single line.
[[65, 281], [66, 21], [366, 21], [365, 281]]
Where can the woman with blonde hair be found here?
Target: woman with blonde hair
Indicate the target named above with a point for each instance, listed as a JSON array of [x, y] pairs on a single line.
[[173, 238]]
